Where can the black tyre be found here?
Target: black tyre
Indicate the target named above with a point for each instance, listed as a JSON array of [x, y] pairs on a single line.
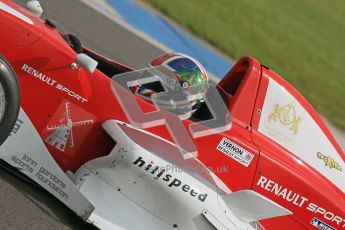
[[9, 99]]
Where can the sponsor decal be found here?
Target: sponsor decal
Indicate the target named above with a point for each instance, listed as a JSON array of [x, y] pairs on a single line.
[[286, 115], [329, 161], [235, 152], [45, 176], [68, 121], [16, 127], [53, 83], [299, 201], [52, 181], [171, 181], [280, 191], [321, 225], [26, 151]]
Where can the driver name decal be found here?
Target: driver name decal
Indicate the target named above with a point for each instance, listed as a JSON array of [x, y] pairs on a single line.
[[329, 161], [235, 152]]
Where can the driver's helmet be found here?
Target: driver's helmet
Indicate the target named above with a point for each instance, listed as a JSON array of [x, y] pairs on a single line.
[[188, 72]]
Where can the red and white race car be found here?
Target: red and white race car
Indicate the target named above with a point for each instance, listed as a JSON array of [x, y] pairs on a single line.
[[66, 124]]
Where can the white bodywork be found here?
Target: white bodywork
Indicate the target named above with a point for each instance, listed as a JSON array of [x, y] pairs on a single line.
[[121, 190], [25, 150], [308, 142], [141, 198]]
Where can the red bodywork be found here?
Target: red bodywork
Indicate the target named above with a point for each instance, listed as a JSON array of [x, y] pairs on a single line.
[[42, 47]]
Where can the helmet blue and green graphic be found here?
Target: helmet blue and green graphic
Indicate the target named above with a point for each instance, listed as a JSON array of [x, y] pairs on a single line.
[[188, 72]]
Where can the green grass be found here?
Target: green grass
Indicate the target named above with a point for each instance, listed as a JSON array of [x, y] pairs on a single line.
[[302, 40]]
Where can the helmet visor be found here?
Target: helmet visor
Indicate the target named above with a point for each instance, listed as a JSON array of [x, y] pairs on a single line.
[[187, 72]]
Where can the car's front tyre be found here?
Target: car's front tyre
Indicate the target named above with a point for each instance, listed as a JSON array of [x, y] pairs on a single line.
[[9, 99]]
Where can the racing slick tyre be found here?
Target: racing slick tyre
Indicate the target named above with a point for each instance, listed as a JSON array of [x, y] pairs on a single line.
[[9, 99]]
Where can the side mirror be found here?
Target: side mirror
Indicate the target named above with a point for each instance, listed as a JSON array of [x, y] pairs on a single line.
[[34, 7], [86, 62]]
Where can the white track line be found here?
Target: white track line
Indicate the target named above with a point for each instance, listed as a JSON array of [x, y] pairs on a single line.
[[105, 9]]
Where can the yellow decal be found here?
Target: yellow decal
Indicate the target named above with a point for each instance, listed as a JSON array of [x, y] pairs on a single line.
[[329, 161], [286, 115]]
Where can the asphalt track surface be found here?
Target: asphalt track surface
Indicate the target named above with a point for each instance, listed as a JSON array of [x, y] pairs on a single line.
[[23, 206]]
